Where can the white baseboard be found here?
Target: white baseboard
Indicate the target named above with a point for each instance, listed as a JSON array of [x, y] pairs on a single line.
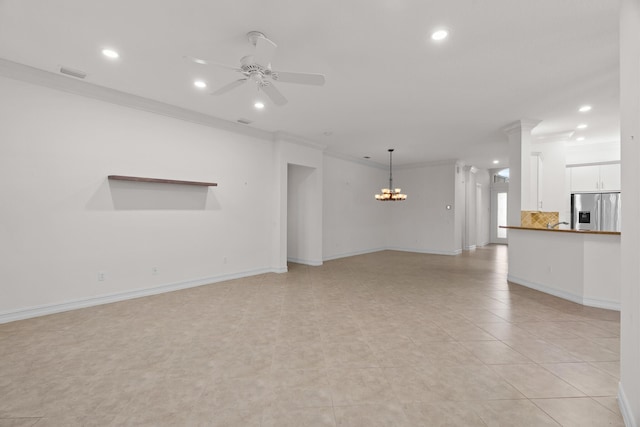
[[304, 261], [355, 253], [625, 408], [43, 310], [426, 251], [369, 251], [546, 289], [470, 248], [590, 302], [599, 303]]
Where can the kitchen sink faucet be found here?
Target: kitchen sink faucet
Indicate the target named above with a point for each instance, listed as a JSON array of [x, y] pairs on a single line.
[[551, 226]]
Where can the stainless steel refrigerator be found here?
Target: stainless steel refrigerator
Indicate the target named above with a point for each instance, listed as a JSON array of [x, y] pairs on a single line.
[[595, 211]]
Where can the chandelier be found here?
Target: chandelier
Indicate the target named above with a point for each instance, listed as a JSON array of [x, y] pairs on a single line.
[[390, 194]]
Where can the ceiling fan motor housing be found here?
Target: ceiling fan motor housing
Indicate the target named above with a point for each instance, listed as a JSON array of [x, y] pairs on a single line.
[[252, 70]]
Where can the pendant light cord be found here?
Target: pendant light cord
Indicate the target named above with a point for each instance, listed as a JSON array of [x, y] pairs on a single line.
[[390, 170]]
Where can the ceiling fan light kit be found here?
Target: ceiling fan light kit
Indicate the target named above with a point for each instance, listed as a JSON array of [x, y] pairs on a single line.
[[257, 68], [391, 194]]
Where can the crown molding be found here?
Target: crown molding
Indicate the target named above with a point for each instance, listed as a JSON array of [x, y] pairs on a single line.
[[295, 139], [446, 162], [353, 159], [520, 126], [471, 169], [385, 166], [538, 154], [577, 165], [590, 143], [561, 136], [25, 73]]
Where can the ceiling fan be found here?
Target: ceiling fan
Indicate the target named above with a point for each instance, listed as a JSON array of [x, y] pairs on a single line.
[[257, 68]]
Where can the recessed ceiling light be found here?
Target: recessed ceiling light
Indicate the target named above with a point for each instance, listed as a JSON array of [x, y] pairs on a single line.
[[200, 84], [581, 126], [580, 138], [110, 53], [585, 108], [439, 35], [259, 105], [495, 162]]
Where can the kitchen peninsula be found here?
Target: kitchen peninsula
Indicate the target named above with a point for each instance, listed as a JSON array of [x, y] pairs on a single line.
[[580, 266]]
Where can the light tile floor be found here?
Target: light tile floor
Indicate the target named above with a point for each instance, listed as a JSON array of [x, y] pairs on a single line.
[[385, 339]]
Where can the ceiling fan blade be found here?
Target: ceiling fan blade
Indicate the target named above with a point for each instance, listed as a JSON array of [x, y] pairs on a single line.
[[299, 78], [230, 86], [265, 49], [274, 94], [207, 62]]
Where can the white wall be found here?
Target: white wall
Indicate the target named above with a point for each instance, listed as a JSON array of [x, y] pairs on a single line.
[[553, 176], [568, 265], [592, 153], [422, 223], [552, 260], [353, 221], [602, 284], [629, 395], [62, 221]]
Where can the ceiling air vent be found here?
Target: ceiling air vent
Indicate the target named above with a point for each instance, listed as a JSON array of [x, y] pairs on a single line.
[[245, 121], [73, 73]]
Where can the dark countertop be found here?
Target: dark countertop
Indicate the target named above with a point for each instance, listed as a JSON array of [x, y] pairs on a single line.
[[556, 230]]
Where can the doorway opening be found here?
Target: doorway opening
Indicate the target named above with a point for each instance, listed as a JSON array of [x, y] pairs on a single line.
[[499, 193], [304, 238]]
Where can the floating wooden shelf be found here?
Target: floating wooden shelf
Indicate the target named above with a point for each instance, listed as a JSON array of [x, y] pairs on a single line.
[[161, 181]]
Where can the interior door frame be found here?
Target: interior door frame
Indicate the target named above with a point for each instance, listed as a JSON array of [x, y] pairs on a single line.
[[495, 189]]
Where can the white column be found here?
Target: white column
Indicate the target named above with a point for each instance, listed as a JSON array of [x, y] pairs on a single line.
[[629, 392], [470, 233], [519, 134]]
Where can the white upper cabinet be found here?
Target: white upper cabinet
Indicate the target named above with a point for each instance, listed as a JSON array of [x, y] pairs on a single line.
[[610, 177], [595, 178], [585, 178]]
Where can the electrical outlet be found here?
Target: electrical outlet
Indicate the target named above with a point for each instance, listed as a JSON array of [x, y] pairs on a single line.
[[154, 271], [102, 276]]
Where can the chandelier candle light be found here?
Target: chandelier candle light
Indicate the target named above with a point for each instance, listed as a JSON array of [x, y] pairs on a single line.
[[391, 194]]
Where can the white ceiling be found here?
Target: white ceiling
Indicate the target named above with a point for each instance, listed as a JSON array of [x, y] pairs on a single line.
[[387, 84]]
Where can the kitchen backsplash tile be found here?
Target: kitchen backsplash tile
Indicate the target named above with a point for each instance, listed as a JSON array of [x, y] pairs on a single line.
[[537, 219]]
